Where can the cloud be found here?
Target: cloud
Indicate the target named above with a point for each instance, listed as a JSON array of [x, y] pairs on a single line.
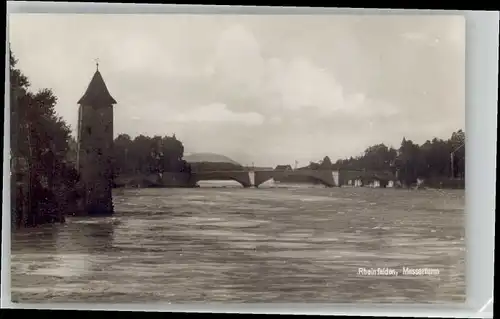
[[241, 72], [303, 85], [218, 113], [267, 89]]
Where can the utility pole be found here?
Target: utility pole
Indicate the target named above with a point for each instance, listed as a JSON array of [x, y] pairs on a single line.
[[452, 159], [452, 167], [30, 175]]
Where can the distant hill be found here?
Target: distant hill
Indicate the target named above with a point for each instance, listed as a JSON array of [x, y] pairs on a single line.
[[208, 158]]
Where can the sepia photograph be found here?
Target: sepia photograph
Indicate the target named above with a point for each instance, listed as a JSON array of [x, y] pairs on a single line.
[[199, 158]]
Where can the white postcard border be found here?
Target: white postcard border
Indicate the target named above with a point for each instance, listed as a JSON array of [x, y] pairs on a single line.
[[481, 124]]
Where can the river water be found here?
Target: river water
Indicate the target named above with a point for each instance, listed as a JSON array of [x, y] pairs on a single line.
[[229, 244]]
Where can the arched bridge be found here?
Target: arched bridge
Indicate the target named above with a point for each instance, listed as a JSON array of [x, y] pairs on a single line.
[[256, 178]]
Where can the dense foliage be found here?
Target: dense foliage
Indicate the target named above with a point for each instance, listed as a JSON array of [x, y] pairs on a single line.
[[433, 160], [43, 183], [145, 155]]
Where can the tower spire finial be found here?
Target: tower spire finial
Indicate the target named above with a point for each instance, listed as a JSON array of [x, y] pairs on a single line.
[[97, 63]]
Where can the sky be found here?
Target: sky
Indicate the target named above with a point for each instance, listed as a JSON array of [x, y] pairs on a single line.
[[259, 89]]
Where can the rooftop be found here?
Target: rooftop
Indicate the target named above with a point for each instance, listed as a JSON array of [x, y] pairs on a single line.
[[97, 92]]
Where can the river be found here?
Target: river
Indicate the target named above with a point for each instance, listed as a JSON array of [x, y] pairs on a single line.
[[229, 244]]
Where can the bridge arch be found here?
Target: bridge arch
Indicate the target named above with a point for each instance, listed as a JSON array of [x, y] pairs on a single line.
[[241, 177], [324, 177], [260, 177]]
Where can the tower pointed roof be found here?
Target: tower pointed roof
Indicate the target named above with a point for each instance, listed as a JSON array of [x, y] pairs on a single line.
[[97, 92]]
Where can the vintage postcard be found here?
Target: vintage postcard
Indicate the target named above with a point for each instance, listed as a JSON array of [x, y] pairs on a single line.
[[237, 158]]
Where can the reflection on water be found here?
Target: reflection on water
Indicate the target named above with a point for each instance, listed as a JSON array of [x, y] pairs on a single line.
[[272, 244]]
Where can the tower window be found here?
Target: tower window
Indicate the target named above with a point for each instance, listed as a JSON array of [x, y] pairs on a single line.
[[99, 151], [89, 130]]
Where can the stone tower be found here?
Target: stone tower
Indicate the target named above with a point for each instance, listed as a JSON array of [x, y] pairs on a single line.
[[95, 147]]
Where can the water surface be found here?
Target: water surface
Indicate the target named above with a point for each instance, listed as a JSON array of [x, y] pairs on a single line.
[[229, 244]]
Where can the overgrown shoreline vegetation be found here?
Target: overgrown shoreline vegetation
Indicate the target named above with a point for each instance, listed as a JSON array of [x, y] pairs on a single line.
[[43, 179], [45, 184], [436, 161]]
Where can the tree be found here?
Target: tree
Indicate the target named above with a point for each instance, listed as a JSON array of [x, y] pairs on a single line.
[[326, 163], [457, 142], [408, 162], [39, 153], [378, 158], [430, 161], [148, 155], [121, 162], [71, 155]]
